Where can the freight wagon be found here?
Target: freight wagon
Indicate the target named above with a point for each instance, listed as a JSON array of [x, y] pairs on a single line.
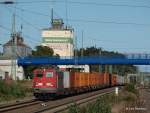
[[51, 82]]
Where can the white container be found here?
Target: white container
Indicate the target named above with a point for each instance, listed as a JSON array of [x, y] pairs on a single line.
[[120, 80], [66, 79]]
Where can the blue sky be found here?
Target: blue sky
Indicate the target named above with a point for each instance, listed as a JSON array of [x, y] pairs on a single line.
[[116, 25]]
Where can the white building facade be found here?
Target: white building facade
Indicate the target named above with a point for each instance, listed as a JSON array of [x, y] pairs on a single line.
[[58, 38], [6, 70]]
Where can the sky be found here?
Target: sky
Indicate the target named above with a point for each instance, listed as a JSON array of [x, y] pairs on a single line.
[[114, 25]]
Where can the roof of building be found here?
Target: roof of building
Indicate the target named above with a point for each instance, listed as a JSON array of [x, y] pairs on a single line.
[[20, 41]]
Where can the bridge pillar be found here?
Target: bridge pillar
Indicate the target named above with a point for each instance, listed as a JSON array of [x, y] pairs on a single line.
[[110, 69], [100, 68], [106, 68], [115, 69]]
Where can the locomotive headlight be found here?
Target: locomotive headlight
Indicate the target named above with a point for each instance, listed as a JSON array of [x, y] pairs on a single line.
[[49, 84], [39, 84]]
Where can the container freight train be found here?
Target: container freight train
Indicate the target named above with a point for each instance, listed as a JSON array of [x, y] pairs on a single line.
[[49, 83]]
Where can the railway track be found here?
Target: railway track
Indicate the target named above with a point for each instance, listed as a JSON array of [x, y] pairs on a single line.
[[5, 108], [64, 106], [54, 106]]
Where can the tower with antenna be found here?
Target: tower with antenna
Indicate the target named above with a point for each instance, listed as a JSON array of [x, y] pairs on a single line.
[[59, 37]]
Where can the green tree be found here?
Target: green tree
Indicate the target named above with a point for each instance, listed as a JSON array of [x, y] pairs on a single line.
[[43, 51], [93, 51], [40, 51]]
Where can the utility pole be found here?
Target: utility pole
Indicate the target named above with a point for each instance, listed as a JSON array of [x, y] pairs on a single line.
[[82, 52], [82, 46], [14, 43], [100, 66], [76, 50]]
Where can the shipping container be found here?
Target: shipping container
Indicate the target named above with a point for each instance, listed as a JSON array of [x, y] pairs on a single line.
[[107, 79], [66, 79], [101, 80], [120, 80], [113, 80], [86, 80]]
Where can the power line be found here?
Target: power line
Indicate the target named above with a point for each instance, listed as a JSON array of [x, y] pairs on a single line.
[[8, 29], [32, 12], [5, 28], [108, 22], [37, 13], [22, 19], [88, 21], [85, 3]]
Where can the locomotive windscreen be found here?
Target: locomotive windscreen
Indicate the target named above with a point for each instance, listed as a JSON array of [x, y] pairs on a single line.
[[39, 75]]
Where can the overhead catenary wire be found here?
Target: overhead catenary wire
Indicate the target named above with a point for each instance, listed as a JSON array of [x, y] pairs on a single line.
[[32, 12], [5, 28], [26, 36], [22, 19], [84, 3], [109, 22], [87, 20]]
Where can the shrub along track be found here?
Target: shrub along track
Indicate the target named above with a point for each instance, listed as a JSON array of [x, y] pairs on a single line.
[[57, 105]]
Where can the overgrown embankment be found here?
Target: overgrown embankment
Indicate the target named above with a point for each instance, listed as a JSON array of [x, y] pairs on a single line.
[[107, 103], [10, 90]]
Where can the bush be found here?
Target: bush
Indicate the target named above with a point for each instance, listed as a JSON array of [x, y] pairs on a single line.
[[131, 88], [13, 90], [99, 106], [74, 108]]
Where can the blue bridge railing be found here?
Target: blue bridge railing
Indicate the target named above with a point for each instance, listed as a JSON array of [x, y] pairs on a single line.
[[110, 60]]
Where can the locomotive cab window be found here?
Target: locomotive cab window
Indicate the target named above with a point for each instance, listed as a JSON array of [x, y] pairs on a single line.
[[39, 75], [49, 74]]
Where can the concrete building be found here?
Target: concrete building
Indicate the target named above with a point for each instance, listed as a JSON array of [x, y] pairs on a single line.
[[8, 60], [21, 49], [59, 38], [6, 69]]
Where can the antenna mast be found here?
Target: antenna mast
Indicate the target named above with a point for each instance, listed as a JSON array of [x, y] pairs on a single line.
[[52, 16]]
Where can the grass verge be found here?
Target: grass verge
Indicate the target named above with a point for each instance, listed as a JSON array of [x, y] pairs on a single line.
[[12, 90]]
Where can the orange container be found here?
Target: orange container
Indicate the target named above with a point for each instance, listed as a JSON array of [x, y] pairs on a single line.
[[79, 79], [86, 79], [93, 79], [106, 78], [90, 79], [96, 79], [82, 79], [74, 79], [101, 78], [71, 79], [114, 80]]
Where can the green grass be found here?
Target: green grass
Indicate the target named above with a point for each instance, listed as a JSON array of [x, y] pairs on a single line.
[[12, 90], [99, 106]]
